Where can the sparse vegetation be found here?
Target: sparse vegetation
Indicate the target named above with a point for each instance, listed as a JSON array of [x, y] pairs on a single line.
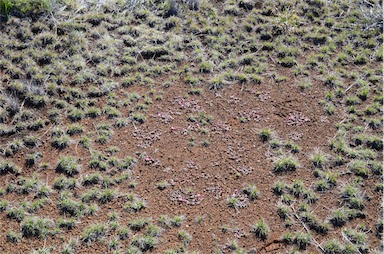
[[115, 111], [261, 229], [93, 233], [36, 227], [68, 165], [265, 134], [285, 164], [184, 237]]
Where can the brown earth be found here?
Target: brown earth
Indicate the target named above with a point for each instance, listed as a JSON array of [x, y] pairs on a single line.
[[234, 157], [204, 146]]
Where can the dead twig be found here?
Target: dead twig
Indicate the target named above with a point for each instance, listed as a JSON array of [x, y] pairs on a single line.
[[42, 135], [347, 239], [346, 90], [307, 229], [272, 59]]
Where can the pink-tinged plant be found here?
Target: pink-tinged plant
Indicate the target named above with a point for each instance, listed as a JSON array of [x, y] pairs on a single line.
[[296, 118], [220, 127], [185, 103], [253, 115], [163, 117], [189, 198], [238, 199]]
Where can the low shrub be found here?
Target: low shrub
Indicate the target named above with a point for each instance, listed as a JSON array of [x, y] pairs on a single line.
[[285, 163], [36, 227], [261, 229], [25, 8]]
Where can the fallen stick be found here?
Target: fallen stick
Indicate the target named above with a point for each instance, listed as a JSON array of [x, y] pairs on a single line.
[[346, 90], [307, 229]]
